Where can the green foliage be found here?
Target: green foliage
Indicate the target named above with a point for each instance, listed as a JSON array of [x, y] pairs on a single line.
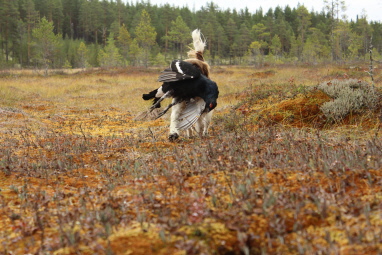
[[8, 27], [67, 65], [124, 41], [286, 34], [315, 47], [110, 57], [145, 35], [135, 52], [276, 45], [179, 35], [349, 96], [160, 60], [46, 43], [82, 50], [255, 54]]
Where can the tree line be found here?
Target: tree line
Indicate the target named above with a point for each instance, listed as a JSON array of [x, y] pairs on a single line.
[[85, 33]]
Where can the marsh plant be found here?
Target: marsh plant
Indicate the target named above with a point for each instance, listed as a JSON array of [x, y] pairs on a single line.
[[349, 96]]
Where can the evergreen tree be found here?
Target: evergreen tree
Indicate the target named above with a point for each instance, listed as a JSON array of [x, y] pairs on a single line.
[[31, 21], [82, 51], [340, 46], [355, 46], [362, 28], [275, 46], [8, 27], [166, 17], [315, 47], [303, 18], [303, 34], [145, 35], [231, 30], [110, 57], [254, 51], [179, 35], [221, 45], [135, 52], [71, 20], [334, 7], [260, 34], [45, 43], [244, 38], [124, 42]]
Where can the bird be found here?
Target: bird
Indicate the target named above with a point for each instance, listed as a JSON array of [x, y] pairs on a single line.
[[193, 95]]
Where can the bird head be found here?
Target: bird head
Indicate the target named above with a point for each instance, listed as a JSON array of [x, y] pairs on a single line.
[[211, 96], [211, 106]]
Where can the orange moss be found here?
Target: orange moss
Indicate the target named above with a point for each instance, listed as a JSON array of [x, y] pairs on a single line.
[[264, 74], [301, 111]]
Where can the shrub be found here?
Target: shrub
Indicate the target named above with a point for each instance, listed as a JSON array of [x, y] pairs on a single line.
[[349, 96]]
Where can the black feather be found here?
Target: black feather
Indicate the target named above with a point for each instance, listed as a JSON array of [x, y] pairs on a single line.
[[183, 81], [179, 70]]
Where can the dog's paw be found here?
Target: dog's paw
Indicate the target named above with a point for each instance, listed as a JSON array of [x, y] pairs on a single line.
[[173, 137]]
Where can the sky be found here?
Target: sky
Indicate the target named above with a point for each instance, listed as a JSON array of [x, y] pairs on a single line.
[[372, 8]]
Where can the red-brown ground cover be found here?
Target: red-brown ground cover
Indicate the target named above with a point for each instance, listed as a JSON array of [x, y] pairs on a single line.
[[79, 175]]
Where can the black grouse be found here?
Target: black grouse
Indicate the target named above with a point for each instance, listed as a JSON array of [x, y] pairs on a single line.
[[185, 83]]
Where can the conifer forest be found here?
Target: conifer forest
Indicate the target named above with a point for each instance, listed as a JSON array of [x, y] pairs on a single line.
[[114, 33]]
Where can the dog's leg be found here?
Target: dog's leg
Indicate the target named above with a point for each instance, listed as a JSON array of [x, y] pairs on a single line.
[[199, 125], [175, 113], [205, 121]]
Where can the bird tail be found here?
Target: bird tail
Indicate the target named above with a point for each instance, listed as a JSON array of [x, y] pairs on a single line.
[[199, 43], [150, 95]]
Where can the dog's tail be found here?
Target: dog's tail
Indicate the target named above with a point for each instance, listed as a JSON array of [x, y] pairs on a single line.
[[199, 45], [196, 54]]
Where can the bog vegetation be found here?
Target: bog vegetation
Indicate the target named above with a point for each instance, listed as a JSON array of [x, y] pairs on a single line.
[[281, 172], [80, 33], [292, 164]]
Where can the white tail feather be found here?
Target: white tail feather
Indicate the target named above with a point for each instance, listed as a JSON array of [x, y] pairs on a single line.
[[198, 42]]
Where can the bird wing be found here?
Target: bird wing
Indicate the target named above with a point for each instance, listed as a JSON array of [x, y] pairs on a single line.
[[179, 70], [191, 113]]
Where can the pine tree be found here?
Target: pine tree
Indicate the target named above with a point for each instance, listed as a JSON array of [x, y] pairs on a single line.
[[93, 20], [166, 16], [221, 43], [340, 43], [244, 38], [275, 46], [334, 7], [145, 36], [303, 18], [45, 43], [254, 51], [134, 52], [123, 42], [8, 26], [179, 35], [110, 57], [82, 51], [30, 18], [71, 20]]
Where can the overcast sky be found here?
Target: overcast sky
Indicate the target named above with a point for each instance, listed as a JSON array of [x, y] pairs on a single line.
[[372, 8]]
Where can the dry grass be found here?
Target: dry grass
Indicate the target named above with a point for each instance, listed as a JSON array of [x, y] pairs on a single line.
[[78, 175]]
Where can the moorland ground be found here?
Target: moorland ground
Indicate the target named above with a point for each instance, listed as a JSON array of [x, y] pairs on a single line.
[[79, 174]]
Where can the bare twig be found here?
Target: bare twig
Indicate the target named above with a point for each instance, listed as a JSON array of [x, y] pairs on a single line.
[[83, 133]]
